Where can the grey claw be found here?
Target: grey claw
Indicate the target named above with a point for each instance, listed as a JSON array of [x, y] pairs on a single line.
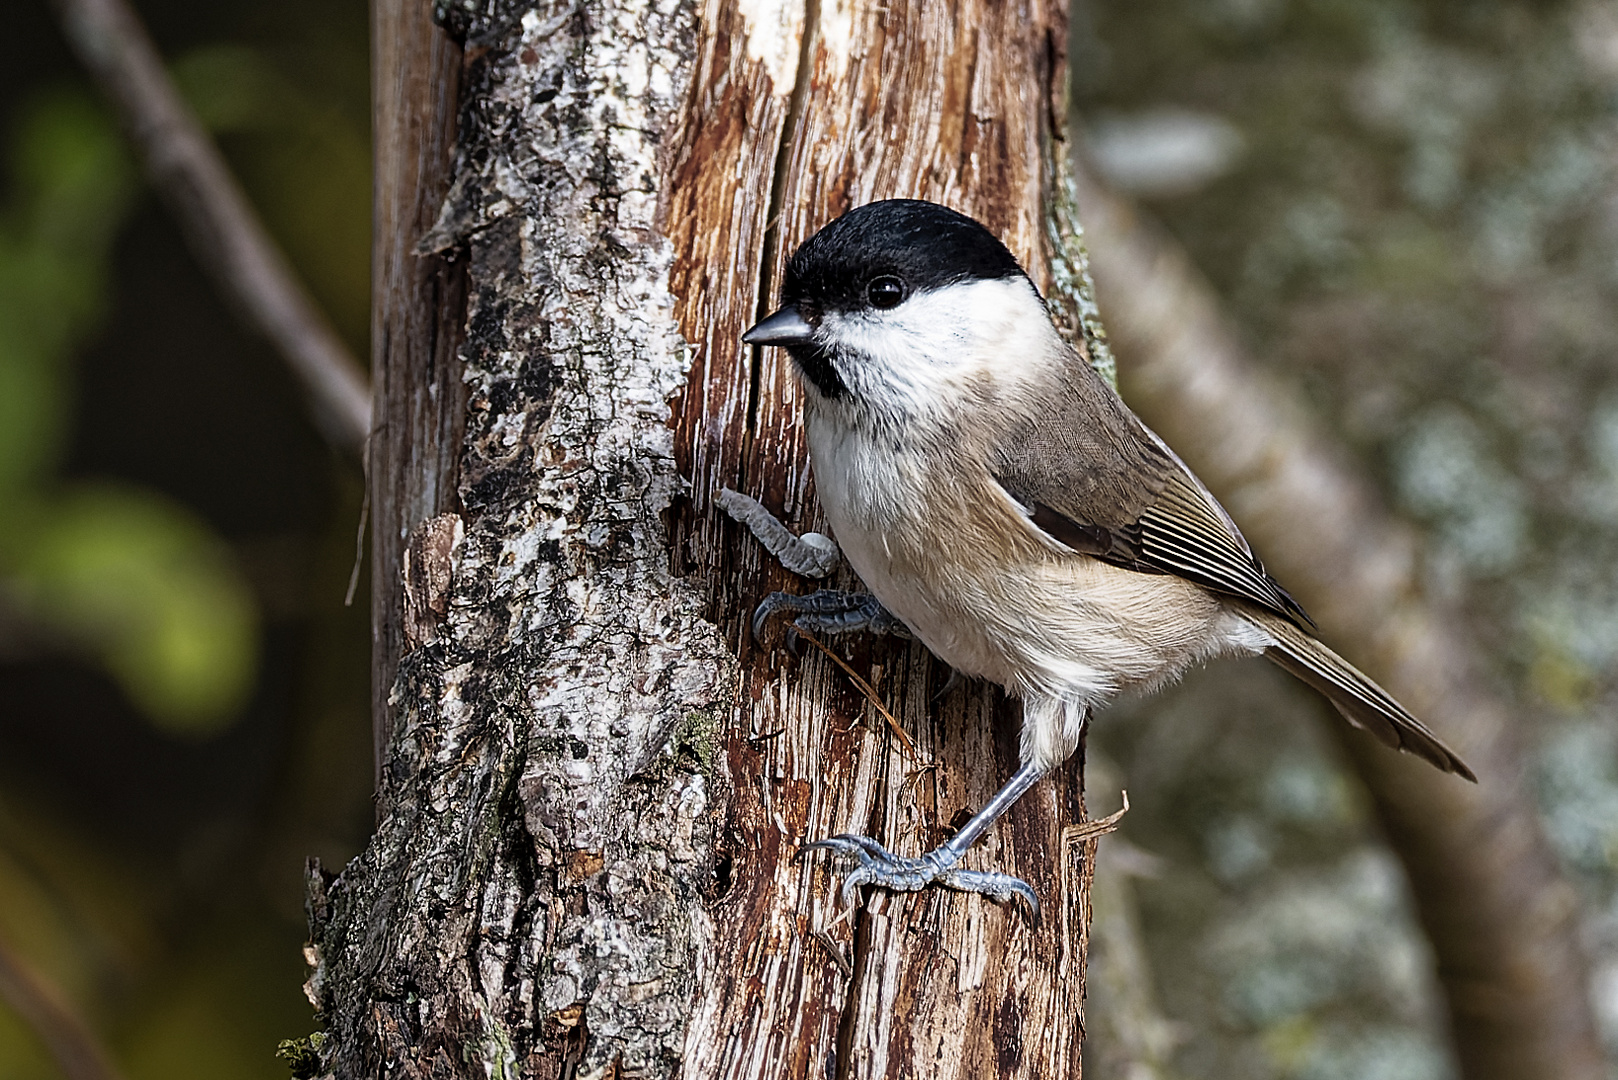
[[859, 847], [769, 606], [998, 887], [829, 611], [880, 867], [854, 846]]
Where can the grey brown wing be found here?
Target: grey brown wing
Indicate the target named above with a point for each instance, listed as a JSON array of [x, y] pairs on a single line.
[[1097, 480]]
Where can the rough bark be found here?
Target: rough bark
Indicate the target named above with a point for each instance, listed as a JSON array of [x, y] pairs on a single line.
[[418, 318], [592, 788], [908, 99], [1501, 919]]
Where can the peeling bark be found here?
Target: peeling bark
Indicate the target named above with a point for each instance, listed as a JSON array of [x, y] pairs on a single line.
[[591, 786]]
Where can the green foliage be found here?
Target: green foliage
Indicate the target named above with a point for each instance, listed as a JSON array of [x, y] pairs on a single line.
[[72, 186], [120, 573], [152, 883], [148, 588]]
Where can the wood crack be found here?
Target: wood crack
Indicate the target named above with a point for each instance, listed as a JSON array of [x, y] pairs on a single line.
[[772, 228], [861, 946]]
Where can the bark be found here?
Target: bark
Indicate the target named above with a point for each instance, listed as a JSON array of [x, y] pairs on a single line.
[[591, 786], [418, 319], [1501, 919]]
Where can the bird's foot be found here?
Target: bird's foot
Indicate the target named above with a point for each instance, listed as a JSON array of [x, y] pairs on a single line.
[[878, 866], [830, 611]]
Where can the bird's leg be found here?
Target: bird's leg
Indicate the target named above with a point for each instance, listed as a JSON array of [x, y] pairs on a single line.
[[878, 866], [830, 611]]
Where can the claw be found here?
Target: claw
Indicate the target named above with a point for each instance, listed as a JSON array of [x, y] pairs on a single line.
[[880, 867], [829, 611], [998, 887], [858, 847], [770, 605]]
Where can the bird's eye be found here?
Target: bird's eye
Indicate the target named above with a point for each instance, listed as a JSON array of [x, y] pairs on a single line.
[[885, 292]]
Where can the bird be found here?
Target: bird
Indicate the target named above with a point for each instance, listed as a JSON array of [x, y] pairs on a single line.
[[1002, 503]]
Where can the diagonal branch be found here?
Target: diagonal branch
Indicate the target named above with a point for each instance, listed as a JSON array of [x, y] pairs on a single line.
[[224, 231], [75, 1048], [1501, 919]]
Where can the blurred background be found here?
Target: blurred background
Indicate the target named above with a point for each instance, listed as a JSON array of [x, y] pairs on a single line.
[[184, 696], [1409, 211]]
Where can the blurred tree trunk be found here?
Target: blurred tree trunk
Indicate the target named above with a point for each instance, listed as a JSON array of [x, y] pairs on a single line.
[[591, 786], [1502, 921]]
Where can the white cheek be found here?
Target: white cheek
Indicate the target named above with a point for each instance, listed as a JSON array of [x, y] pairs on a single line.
[[916, 358]]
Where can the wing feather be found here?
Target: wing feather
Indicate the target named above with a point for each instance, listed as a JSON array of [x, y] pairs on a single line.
[[1185, 535], [1097, 480]]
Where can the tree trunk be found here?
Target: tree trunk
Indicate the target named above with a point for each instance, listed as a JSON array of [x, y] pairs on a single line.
[[592, 787], [418, 320]]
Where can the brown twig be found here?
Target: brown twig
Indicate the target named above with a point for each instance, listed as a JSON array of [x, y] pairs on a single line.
[[224, 231], [65, 1034], [870, 694]]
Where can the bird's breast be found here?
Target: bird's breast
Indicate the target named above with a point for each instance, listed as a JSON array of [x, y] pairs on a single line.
[[936, 543], [947, 551]]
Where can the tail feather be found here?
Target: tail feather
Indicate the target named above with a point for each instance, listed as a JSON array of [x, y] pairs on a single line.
[[1362, 702]]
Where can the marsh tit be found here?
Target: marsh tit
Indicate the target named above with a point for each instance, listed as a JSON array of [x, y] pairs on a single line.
[[1002, 503]]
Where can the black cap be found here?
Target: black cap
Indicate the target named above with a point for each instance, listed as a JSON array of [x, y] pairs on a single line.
[[924, 245]]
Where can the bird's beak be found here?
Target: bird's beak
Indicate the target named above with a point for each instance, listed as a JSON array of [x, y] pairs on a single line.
[[785, 327]]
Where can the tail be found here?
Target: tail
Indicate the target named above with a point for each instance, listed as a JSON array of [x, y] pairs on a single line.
[[1362, 702]]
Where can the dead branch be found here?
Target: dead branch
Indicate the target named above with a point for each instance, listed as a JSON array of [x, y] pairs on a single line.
[[223, 230]]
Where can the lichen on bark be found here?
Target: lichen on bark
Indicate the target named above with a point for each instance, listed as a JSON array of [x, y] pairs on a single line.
[[531, 900]]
